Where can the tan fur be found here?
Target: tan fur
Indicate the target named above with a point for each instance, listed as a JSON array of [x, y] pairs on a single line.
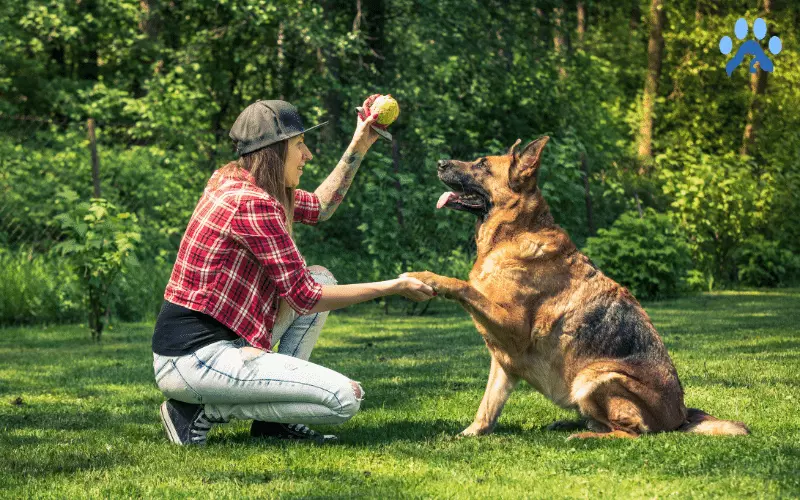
[[528, 294], [700, 422]]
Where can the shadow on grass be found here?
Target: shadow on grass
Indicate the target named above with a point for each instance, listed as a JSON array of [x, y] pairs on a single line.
[[411, 358]]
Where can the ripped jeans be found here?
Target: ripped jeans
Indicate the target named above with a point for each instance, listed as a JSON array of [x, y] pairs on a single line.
[[234, 380]]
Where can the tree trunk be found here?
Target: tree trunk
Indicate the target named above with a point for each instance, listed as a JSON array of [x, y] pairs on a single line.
[[150, 22], [224, 98], [88, 68], [560, 39], [581, 11], [329, 67], [375, 19], [357, 19], [281, 56], [635, 17], [758, 85], [150, 27], [654, 55]]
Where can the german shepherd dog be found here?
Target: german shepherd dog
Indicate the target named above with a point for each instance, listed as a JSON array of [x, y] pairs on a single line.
[[551, 318]]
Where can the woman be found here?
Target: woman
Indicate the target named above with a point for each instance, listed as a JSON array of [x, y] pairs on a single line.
[[240, 285]]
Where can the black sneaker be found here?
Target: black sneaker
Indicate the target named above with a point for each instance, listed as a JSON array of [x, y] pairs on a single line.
[[261, 429], [185, 423]]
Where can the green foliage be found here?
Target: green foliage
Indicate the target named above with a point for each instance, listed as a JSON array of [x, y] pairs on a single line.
[[719, 201], [138, 293], [761, 262], [99, 243], [36, 288], [165, 81], [648, 254]]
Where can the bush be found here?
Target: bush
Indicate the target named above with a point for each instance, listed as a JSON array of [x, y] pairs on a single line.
[[99, 244], [44, 288], [718, 202], [137, 294], [645, 254], [763, 263], [37, 289]]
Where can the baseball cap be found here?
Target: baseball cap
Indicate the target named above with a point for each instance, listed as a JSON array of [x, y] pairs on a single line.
[[266, 122]]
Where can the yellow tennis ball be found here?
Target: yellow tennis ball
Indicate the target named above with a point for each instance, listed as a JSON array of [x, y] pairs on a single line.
[[387, 109]]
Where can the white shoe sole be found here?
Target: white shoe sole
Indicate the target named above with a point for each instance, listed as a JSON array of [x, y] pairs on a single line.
[[172, 434]]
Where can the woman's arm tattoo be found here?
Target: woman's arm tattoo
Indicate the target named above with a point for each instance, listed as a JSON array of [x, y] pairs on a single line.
[[331, 192]]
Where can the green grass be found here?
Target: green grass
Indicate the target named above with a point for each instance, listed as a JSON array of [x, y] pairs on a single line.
[[88, 421]]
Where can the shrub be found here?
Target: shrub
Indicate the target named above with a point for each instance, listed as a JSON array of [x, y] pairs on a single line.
[[762, 262], [645, 254], [37, 288], [718, 202], [99, 243], [137, 294]]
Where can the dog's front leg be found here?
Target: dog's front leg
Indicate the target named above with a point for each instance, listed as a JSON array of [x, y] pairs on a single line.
[[498, 388], [491, 315]]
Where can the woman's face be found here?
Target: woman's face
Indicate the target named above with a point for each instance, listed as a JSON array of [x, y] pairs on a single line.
[[296, 158]]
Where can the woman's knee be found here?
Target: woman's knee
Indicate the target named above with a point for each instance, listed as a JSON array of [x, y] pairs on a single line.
[[322, 275], [350, 396], [173, 384]]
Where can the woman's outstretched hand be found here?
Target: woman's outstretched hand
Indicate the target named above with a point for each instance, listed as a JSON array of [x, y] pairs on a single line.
[[338, 296], [414, 289]]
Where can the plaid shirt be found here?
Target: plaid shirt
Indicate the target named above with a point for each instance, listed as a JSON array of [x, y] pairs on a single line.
[[236, 258]]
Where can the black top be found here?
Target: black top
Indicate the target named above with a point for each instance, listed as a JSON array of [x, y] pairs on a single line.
[[180, 331]]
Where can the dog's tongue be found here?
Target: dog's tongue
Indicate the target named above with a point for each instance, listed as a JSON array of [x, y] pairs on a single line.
[[445, 197]]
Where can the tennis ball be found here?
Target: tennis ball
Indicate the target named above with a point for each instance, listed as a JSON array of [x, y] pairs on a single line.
[[387, 108]]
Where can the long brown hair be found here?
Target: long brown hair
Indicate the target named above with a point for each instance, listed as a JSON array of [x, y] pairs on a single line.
[[267, 166]]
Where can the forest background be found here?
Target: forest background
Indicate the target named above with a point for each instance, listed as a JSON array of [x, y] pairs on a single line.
[[671, 175]]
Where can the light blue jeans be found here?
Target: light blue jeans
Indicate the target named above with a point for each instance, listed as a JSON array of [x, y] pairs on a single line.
[[234, 380]]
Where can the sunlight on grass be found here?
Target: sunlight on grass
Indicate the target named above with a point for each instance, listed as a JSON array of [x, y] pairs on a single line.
[[80, 419]]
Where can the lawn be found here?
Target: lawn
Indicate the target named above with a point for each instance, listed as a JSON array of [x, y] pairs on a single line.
[[80, 419]]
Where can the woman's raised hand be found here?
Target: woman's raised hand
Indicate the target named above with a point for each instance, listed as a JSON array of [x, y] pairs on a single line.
[[364, 137]]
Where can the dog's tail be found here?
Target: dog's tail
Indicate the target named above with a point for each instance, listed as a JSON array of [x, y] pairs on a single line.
[[700, 422]]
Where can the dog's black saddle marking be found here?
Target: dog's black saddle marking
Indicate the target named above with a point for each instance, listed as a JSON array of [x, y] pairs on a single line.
[[617, 330]]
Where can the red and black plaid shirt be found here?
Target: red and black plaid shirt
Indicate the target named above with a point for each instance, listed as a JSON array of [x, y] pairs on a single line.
[[236, 258]]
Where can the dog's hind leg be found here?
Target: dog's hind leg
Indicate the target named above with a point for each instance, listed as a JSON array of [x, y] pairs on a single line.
[[498, 389], [613, 403], [612, 413], [604, 435]]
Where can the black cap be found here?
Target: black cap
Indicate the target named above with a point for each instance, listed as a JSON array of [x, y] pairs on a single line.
[[266, 122]]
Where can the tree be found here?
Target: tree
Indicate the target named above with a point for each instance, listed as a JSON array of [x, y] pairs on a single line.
[[758, 87], [655, 47]]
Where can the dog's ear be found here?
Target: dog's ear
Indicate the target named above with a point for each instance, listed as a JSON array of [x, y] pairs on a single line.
[[525, 165], [512, 151]]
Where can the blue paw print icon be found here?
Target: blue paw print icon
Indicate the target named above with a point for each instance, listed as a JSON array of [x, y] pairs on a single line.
[[750, 47]]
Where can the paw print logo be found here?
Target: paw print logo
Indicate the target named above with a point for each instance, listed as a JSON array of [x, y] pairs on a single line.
[[750, 47]]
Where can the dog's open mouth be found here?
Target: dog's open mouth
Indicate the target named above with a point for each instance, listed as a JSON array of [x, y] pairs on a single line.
[[467, 195], [461, 200]]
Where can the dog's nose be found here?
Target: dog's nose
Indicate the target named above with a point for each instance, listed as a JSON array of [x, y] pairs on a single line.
[[441, 164]]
